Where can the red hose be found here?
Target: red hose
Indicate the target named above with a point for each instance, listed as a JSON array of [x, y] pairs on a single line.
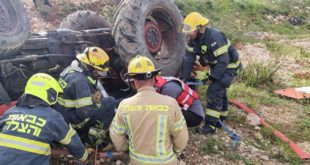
[[299, 152]]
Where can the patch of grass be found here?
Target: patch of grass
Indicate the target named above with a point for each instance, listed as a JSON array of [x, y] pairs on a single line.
[[287, 155], [282, 50], [68, 8], [247, 161], [235, 17], [259, 74], [230, 155], [300, 82], [251, 96], [267, 134], [254, 97], [212, 146], [302, 132], [83, 6], [304, 53], [235, 118], [235, 90], [298, 36], [42, 11], [202, 95]]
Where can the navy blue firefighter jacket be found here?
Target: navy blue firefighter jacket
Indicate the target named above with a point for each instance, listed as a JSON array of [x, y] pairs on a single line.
[[28, 130], [216, 51]]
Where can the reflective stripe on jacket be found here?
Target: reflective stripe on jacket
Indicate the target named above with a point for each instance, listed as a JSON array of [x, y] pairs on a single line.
[[217, 52], [186, 97], [154, 125], [27, 133], [76, 104]]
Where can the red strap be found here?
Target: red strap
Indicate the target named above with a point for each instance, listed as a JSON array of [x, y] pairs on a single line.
[[160, 82], [5, 107], [187, 96]]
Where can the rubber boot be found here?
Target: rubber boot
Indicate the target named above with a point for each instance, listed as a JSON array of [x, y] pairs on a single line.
[[218, 124], [208, 128]]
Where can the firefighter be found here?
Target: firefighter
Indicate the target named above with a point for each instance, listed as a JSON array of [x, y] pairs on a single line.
[[28, 130], [216, 51], [82, 104], [186, 97], [148, 124]]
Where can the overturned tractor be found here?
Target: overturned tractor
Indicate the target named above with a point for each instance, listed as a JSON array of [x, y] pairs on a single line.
[[143, 27], [149, 28]]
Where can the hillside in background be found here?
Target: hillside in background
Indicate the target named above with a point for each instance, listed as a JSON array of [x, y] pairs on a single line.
[[273, 39]]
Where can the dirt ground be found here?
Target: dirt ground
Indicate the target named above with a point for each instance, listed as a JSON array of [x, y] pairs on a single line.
[[249, 53], [51, 17]]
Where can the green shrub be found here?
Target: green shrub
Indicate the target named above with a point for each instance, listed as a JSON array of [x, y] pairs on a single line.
[[259, 74], [233, 16], [42, 11], [212, 146]]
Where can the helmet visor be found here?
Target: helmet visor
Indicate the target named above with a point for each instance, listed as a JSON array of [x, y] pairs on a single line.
[[100, 73], [187, 28], [104, 67]]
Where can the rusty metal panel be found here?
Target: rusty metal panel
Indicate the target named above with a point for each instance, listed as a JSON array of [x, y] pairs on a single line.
[[295, 93]]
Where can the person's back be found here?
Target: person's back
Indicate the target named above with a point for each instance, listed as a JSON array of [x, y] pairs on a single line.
[[28, 130], [32, 130], [186, 97], [154, 124]]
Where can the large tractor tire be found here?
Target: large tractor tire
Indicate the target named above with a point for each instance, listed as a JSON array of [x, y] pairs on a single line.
[[83, 20], [86, 19], [14, 27], [150, 28]]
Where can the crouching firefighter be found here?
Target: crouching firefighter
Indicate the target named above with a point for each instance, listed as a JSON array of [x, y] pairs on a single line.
[[82, 104], [216, 51], [186, 97], [148, 124], [28, 130]]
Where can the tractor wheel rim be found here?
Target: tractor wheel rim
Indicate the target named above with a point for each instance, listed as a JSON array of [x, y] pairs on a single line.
[[152, 36]]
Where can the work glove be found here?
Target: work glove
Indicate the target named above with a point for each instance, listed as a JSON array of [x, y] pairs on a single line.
[[204, 77], [178, 154], [90, 151], [96, 98], [208, 82]]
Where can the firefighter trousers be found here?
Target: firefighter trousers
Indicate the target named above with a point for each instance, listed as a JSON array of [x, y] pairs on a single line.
[[217, 100]]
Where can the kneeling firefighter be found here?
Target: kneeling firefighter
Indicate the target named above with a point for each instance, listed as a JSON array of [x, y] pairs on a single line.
[[186, 97], [82, 105]]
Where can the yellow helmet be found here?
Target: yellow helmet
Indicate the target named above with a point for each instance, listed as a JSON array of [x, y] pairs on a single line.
[[141, 65], [44, 87], [95, 57], [192, 21]]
